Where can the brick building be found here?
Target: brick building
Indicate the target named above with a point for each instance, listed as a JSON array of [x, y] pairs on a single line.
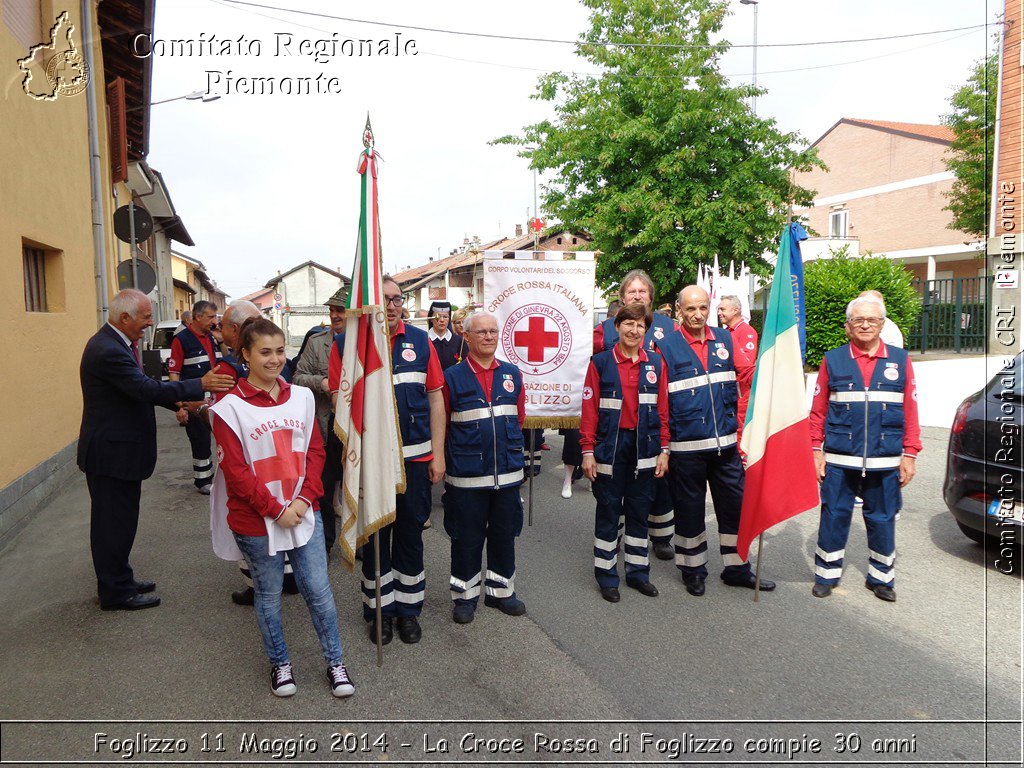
[[884, 192]]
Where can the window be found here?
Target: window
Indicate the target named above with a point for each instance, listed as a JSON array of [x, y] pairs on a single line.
[[35, 279], [437, 293], [838, 223], [43, 270]]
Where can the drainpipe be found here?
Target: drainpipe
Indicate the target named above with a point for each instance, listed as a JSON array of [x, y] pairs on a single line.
[[99, 235]]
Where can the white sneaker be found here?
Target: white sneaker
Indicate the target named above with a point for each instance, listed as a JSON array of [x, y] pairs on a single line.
[[566, 491], [341, 685], [281, 681]]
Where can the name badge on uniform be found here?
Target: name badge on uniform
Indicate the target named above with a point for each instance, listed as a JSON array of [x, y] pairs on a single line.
[[892, 371]]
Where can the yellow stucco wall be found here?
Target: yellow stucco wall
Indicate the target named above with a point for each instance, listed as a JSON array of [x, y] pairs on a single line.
[[45, 199]]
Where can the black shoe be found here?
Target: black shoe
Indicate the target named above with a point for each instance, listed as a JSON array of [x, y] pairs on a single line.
[[245, 596], [694, 584], [510, 606], [289, 586], [463, 613], [821, 590], [611, 594], [409, 629], [144, 587], [882, 591], [577, 474], [134, 603], [643, 587], [748, 580], [387, 632], [663, 550]]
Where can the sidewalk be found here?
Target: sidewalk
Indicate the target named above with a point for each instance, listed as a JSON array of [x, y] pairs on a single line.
[[198, 656]]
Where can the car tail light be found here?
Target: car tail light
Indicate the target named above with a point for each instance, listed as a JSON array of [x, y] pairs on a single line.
[[960, 419], [984, 498]]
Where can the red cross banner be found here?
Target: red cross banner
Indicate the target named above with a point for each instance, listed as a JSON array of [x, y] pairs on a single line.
[[544, 302]]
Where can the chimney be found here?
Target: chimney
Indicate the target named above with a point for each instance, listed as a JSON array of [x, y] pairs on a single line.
[[519, 230]]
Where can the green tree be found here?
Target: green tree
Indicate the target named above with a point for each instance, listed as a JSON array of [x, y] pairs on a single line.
[[830, 284], [658, 157], [973, 121]]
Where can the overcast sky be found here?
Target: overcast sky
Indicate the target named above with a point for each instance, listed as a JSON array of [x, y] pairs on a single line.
[[266, 182]]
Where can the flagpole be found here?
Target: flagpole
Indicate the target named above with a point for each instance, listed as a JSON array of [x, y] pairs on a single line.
[[529, 517], [376, 588], [757, 569]]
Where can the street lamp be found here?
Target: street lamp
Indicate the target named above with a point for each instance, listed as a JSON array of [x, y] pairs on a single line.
[[204, 96], [753, 102]]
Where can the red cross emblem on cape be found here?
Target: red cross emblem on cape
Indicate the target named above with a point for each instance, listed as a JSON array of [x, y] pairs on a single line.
[[285, 465]]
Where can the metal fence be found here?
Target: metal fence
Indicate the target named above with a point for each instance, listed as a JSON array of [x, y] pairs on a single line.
[[954, 315]]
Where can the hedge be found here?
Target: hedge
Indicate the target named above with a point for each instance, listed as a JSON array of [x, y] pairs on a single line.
[[830, 284]]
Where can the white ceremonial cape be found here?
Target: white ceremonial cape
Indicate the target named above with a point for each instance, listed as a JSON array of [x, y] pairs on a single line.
[[282, 474]]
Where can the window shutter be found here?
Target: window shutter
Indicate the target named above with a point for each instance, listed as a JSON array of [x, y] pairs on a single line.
[[118, 131]]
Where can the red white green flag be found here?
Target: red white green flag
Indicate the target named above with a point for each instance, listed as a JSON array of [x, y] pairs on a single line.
[[366, 416], [780, 479]]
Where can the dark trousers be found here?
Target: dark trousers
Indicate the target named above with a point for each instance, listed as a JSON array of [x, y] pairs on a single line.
[[113, 522], [330, 476], [882, 499], [689, 478], [660, 521], [627, 493], [472, 517], [572, 454], [198, 431], [403, 581]]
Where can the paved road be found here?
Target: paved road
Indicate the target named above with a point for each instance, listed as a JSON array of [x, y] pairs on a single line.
[[756, 681]]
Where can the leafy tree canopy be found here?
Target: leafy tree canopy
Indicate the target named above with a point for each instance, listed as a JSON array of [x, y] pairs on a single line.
[[658, 156], [973, 121]]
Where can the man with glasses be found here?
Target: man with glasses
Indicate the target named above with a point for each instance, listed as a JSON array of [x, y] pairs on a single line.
[[866, 436], [418, 381], [486, 407]]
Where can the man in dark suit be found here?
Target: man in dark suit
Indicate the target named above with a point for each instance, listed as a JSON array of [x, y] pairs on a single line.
[[117, 442]]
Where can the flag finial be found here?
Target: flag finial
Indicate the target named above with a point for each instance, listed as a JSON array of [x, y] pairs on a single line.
[[368, 133]]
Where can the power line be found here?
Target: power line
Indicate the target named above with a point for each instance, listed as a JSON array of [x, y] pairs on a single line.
[[577, 73], [520, 38]]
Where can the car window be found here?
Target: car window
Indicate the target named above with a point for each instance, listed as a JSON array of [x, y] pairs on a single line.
[[162, 338], [1008, 384]]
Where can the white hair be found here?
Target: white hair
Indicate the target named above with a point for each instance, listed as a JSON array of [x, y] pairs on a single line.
[[469, 322], [865, 300], [129, 301], [729, 299], [239, 311]]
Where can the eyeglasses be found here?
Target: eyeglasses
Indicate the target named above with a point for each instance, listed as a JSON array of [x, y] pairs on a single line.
[[870, 322], [395, 300], [487, 332]]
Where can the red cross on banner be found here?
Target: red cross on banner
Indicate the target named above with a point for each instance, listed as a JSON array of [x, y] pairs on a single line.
[[536, 224], [285, 465], [536, 339]]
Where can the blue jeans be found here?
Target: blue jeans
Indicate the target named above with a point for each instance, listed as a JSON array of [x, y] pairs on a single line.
[[309, 563]]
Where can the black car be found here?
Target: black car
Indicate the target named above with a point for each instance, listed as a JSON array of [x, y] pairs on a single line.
[[983, 468]]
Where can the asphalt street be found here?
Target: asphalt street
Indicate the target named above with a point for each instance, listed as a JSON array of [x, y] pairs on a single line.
[[934, 677]]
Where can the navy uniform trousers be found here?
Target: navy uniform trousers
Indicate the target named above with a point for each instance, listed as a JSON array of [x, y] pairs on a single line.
[[628, 493], [199, 434], [471, 517], [691, 474], [881, 493], [403, 581]]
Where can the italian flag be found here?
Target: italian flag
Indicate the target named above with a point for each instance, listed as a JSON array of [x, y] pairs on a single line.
[[781, 481], [366, 417]]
